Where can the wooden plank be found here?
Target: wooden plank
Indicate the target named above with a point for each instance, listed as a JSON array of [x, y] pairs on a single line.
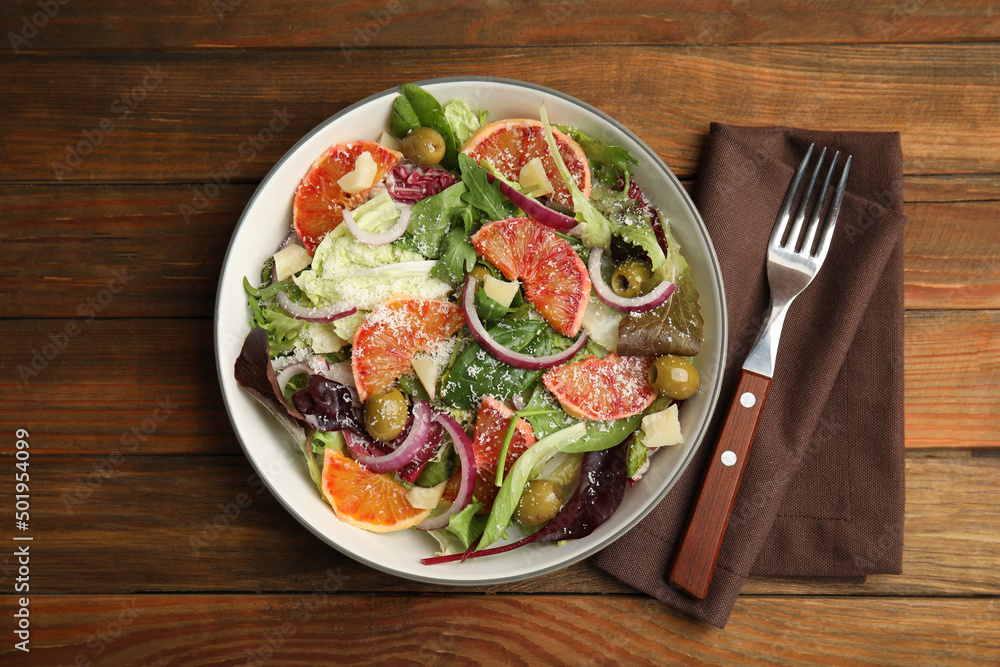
[[188, 524], [348, 26], [933, 362], [67, 247], [952, 255], [182, 117], [951, 188], [113, 251], [331, 628], [161, 376]]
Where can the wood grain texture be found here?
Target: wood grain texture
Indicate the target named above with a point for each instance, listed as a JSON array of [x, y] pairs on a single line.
[[63, 245], [346, 25], [161, 377], [327, 627], [195, 119], [946, 263], [188, 524], [933, 362]]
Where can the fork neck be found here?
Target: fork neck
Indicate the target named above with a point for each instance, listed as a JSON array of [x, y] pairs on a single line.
[[765, 347]]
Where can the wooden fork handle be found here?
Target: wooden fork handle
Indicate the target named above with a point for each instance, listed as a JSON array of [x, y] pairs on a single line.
[[698, 553]]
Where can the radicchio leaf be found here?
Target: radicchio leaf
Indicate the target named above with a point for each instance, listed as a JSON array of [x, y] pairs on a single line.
[[326, 405]]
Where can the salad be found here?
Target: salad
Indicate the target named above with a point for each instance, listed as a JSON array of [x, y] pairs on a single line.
[[474, 326]]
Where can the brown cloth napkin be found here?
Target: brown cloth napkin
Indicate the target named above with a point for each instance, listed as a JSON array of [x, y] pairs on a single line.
[[822, 494]]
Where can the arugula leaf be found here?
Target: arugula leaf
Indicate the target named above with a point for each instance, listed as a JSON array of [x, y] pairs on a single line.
[[489, 310], [457, 257], [477, 372], [430, 114], [482, 194], [430, 220], [404, 118]]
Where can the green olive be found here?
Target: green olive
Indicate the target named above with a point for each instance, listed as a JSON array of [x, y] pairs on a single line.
[[424, 147], [674, 377], [542, 499], [386, 414], [629, 278], [479, 272]]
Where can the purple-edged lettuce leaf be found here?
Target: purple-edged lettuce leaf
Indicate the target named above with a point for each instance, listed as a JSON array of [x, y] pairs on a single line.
[[254, 372], [677, 326]]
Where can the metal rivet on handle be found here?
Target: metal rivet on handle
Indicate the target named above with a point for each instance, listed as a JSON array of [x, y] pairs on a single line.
[[728, 458], [747, 400]]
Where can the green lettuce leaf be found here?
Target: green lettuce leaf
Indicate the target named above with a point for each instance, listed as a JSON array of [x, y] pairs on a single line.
[[463, 120], [607, 162], [467, 525]]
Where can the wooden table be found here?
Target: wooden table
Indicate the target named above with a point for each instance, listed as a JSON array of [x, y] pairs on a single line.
[[132, 136]]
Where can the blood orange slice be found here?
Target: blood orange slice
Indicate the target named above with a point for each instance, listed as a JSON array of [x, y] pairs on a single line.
[[320, 201], [492, 423], [368, 500], [610, 388], [555, 278], [512, 143], [385, 342]]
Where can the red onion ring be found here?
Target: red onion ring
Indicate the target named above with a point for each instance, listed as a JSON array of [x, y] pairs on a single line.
[[467, 460], [534, 208], [328, 314], [378, 238], [504, 354], [639, 304], [291, 371], [411, 445]]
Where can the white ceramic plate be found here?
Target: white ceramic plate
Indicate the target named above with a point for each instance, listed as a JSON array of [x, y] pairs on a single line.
[[266, 221]]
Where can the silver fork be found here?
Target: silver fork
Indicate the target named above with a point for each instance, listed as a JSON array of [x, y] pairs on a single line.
[[792, 263]]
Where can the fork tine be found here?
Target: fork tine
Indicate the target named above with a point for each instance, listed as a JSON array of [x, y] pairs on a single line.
[[800, 216], [831, 218], [784, 213], [822, 199]]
